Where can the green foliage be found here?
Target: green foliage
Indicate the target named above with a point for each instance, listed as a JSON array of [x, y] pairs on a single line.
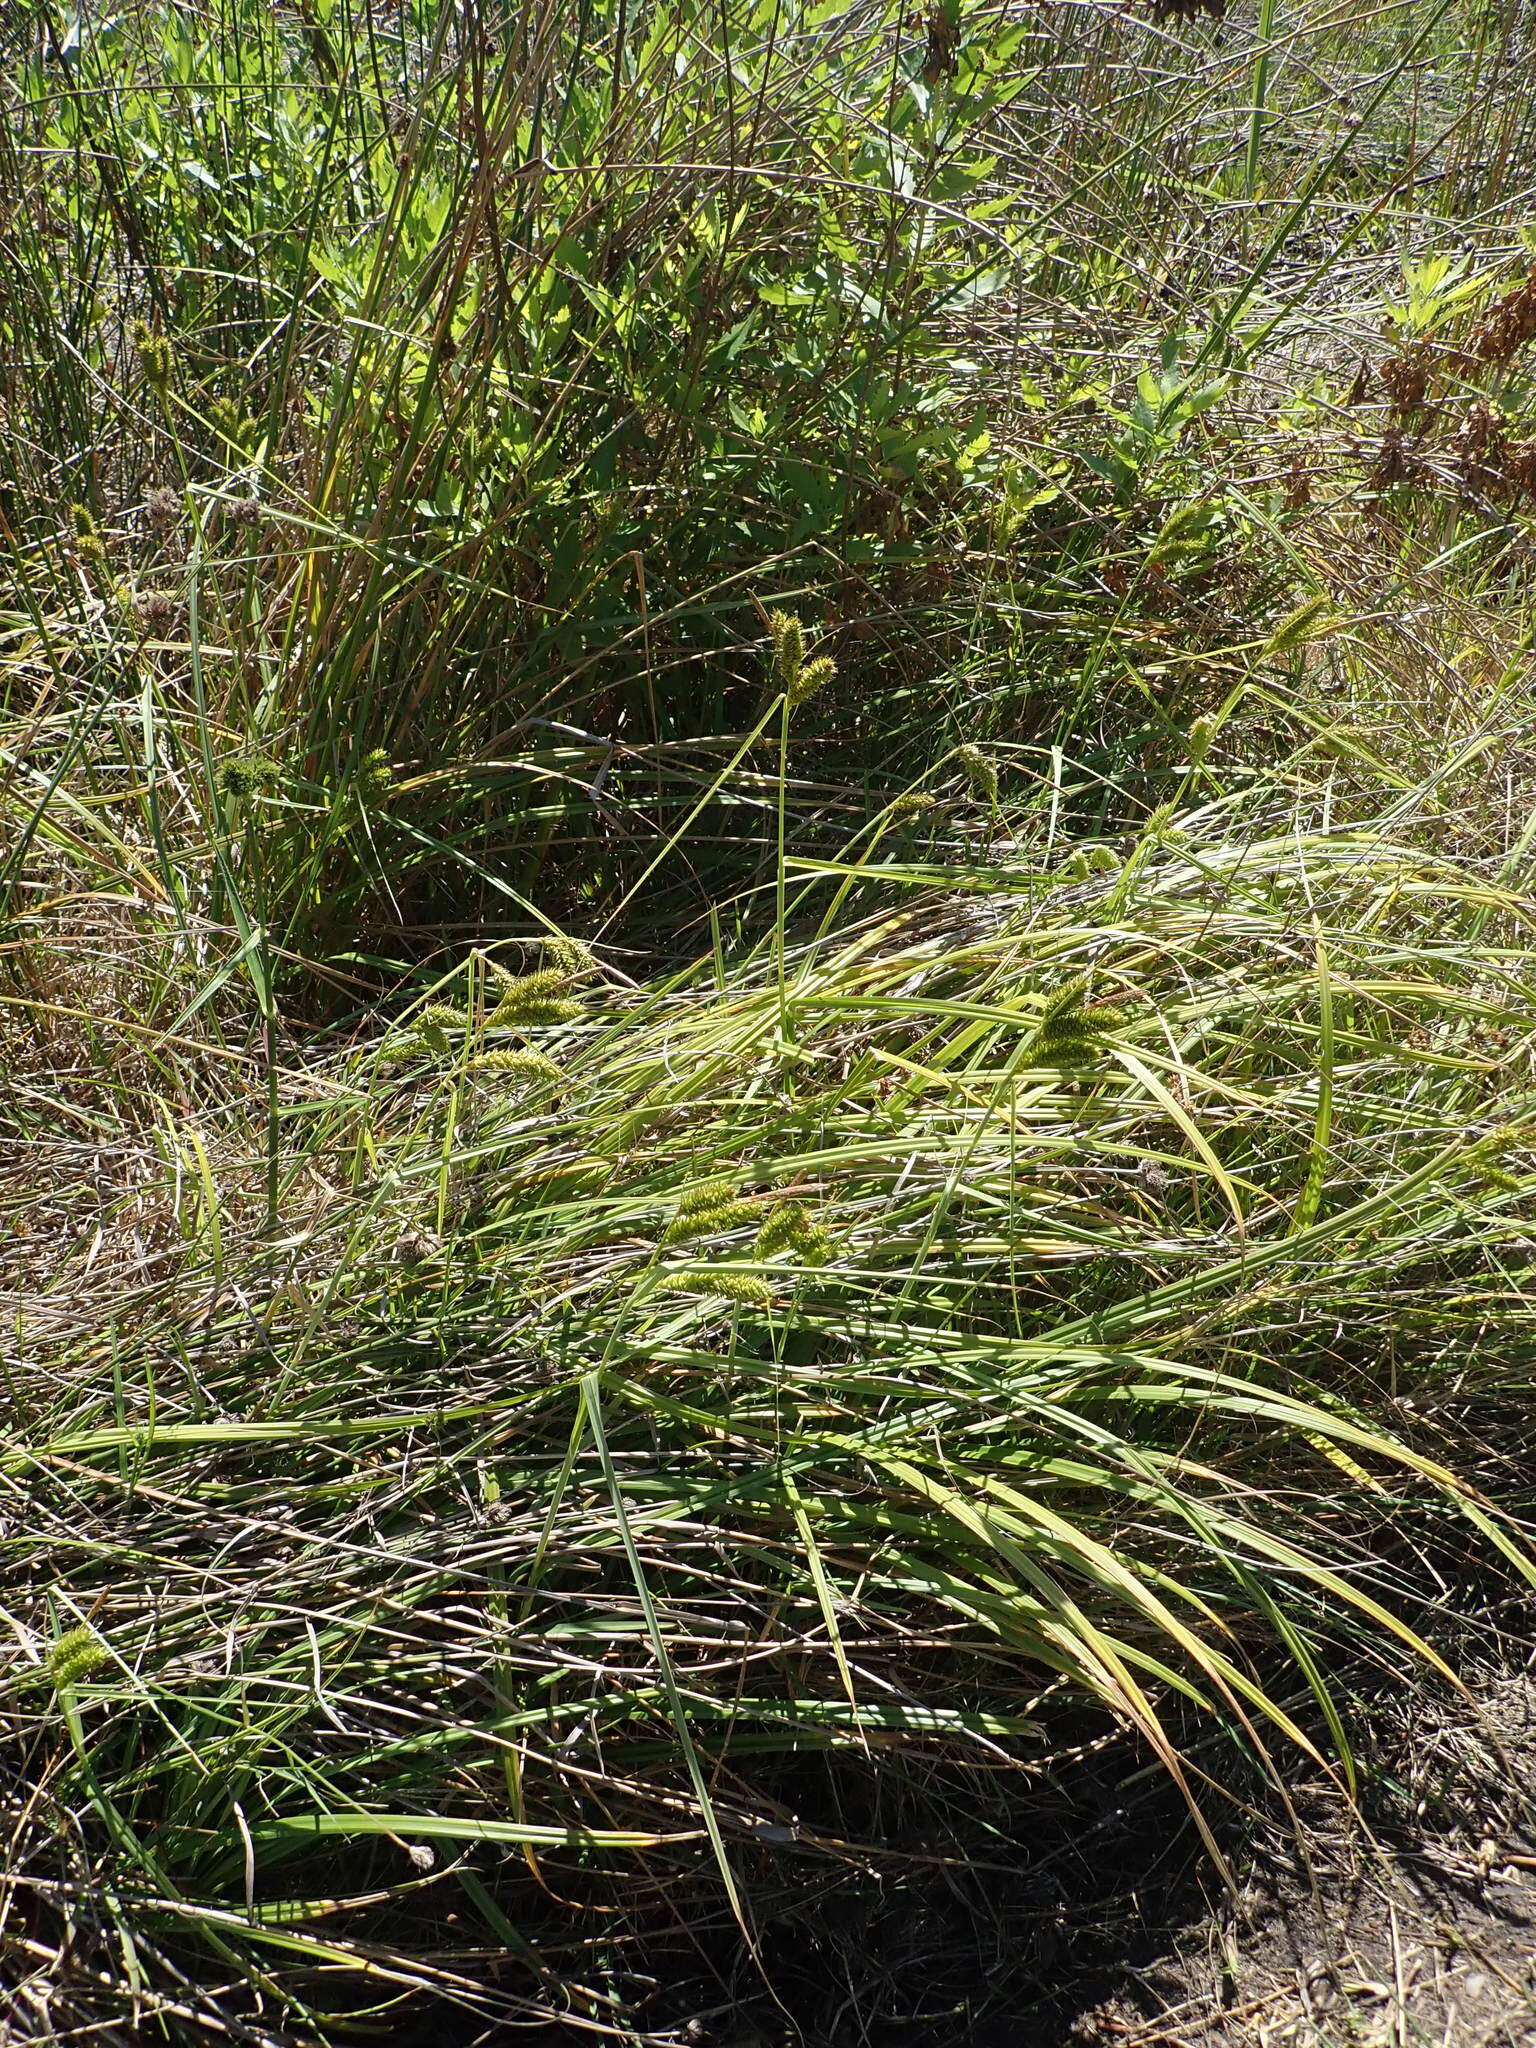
[[954, 1246], [506, 488]]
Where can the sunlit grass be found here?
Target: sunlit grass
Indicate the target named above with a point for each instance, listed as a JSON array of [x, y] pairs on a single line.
[[764, 958]]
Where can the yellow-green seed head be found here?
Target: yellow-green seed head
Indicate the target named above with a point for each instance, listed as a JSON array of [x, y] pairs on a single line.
[[516, 1064], [788, 637], [569, 956], [1303, 624], [1160, 829], [234, 426], [249, 775], [813, 676], [743, 1287], [156, 356], [791, 1228], [980, 771], [912, 803], [76, 1655], [711, 1220], [528, 999]]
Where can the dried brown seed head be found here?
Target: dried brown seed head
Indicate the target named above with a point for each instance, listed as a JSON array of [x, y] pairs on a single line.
[[163, 508], [156, 610]]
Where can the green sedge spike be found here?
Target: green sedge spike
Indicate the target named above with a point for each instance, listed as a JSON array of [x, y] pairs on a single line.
[[521, 1064], [911, 804], [522, 1013], [1159, 829], [788, 637], [980, 771], [737, 1214], [156, 356], [544, 981], [76, 1655], [1303, 624], [813, 676], [533, 998], [791, 1228], [744, 1287], [249, 775], [569, 956], [1067, 1000]]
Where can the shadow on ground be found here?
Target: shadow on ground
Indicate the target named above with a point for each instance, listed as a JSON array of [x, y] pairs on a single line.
[[1106, 1927]]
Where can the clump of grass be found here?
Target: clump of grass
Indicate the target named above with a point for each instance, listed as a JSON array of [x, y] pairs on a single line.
[[516, 1447], [1082, 1437]]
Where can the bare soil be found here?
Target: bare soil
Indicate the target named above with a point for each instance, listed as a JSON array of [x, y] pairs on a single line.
[[1386, 1935]]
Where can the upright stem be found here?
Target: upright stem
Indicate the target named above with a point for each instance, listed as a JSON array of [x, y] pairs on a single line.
[[1260, 92], [779, 908], [268, 997]]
